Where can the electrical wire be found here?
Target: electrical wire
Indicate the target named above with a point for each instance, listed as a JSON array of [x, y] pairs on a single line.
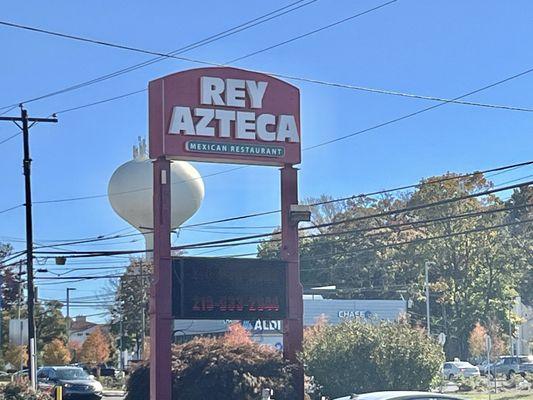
[[217, 37], [328, 224], [431, 182], [328, 254], [210, 39]]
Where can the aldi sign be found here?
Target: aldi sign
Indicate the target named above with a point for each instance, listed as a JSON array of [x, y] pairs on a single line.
[[225, 115]]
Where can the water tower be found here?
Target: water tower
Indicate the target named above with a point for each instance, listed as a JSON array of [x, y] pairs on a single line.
[[130, 192]]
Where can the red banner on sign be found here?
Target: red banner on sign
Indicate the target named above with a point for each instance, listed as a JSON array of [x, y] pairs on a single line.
[[225, 115]]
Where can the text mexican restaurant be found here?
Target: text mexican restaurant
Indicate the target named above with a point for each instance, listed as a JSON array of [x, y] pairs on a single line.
[[230, 123]]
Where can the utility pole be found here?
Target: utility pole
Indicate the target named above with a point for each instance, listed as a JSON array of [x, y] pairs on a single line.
[[427, 264], [21, 324], [510, 330], [69, 289], [143, 313], [32, 370]]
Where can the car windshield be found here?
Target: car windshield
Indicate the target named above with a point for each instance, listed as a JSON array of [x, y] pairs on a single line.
[[526, 359], [72, 373]]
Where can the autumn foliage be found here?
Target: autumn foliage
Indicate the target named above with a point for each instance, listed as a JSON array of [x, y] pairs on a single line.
[[237, 334], [95, 349], [56, 353], [14, 354], [477, 341]]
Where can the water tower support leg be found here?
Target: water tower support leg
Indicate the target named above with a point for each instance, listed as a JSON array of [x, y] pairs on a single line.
[[161, 288]]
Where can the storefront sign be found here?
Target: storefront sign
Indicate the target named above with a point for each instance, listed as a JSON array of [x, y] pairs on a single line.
[[225, 115], [351, 314]]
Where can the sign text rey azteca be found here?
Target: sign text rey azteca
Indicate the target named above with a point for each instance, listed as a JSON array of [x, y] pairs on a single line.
[[225, 115]]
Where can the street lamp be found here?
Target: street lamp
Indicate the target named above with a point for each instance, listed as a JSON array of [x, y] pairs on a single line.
[[69, 289]]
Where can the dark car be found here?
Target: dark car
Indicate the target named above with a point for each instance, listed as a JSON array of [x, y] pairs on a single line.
[[76, 383], [100, 370], [510, 365]]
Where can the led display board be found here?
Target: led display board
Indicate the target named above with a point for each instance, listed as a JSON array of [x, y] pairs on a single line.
[[228, 288]]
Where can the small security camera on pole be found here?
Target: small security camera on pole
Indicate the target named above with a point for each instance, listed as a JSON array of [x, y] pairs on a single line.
[[300, 213]]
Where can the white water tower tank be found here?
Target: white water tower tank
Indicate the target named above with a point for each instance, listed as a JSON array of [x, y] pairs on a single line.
[[130, 192]]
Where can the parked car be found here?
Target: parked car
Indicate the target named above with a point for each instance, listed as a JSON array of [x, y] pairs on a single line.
[[484, 367], [510, 365], [454, 369], [400, 396], [76, 383], [19, 375], [100, 370]]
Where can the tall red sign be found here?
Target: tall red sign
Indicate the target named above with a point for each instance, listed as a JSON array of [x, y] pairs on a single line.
[[225, 115]]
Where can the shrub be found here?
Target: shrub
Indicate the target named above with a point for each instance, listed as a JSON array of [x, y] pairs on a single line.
[[220, 369], [360, 357], [21, 391], [471, 383]]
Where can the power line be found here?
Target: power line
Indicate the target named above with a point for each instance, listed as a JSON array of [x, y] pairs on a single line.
[[419, 240], [210, 39], [231, 32], [336, 23], [369, 194], [430, 182], [322, 255], [75, 254], [421, 111], [445, 201], [395, 227]]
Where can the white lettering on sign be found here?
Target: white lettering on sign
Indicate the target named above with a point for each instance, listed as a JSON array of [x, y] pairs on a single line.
[[224, 123], [348, 314]]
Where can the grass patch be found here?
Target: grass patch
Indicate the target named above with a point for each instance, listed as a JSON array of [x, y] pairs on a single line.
[[514, 395]]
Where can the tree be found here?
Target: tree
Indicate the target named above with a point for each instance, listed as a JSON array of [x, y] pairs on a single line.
[[522, 201], [361, 357], [132, 302], [477, 267], [95, 349], [14, 355], [74, 349], [477, 340], [50, 323], [56, 353]]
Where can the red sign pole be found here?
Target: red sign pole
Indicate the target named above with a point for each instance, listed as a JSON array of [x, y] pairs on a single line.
[[161, 289], [293, 325]]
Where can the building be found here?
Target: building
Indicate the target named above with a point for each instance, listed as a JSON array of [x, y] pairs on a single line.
[[80, 329], [315, 309]]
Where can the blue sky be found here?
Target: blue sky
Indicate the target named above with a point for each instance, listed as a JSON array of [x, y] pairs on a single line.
[[441, 48]]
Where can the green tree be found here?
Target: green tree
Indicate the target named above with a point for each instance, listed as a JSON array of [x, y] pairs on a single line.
[[50, 323], [522, 201], [132, 303], [476, 270], [361, 357]]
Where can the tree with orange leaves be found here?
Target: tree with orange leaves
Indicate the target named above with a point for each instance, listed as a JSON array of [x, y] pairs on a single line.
[[95, 349]]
